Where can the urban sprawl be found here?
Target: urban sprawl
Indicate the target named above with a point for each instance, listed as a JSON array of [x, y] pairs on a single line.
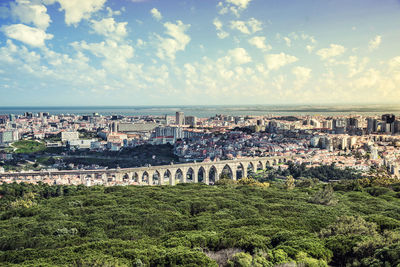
[[352, 141]]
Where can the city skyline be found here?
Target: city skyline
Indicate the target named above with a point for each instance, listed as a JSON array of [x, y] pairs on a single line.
[[229, 52]]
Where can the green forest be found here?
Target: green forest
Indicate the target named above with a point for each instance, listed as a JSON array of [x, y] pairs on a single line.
[[245, 223]]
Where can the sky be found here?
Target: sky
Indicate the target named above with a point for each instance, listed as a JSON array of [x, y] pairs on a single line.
[[199, 52]]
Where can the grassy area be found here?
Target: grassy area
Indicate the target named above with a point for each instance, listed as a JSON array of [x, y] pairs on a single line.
[[29, 146]]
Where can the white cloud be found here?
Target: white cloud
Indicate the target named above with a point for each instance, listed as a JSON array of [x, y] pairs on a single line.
[[333, 51], [29, 35], [239, 56], [240, 26], [156, 14], [288, 41], [115, 55], [255, 25], [76, 10], [168, 47], [109, 28], [240, 3], [259, 42], [28, 12], [234, 6], [309, 48], [246, 27], [375, 43], [394, 63], [218, 26], [276, 61], [303, 75]]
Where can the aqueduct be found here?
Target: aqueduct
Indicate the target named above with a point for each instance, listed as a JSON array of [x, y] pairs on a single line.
[[205, 172]]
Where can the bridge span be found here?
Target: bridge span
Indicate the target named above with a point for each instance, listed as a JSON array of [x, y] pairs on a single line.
[[205, 172]]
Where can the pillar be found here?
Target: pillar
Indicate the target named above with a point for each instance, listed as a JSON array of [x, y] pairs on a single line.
[[150, 178], [172, 177], [195, 177], [206, 179]]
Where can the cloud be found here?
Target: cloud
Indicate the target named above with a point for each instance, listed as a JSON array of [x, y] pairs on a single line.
[[29, 35], [333, 51], [239, 56], [239, 3], [76, 10], [276, 61], [309, 48], [234, 6], [255, 25], [259, 42], [288, 41], [168, 47], [115, 55], [246, 27], [220, 32], [109, 28], [303, 75], [375, 43], [394, 63], [156, 14], [28, 12]]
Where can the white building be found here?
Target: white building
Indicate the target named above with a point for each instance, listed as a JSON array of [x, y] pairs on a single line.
[[69, 136]]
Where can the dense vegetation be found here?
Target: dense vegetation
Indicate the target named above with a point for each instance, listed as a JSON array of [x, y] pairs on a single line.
[[323, 173], [245, 223]]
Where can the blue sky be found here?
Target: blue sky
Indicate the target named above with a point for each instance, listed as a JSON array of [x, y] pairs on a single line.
[[167, 52]]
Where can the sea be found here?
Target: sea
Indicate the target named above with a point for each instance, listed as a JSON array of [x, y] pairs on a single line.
[[208, 111]]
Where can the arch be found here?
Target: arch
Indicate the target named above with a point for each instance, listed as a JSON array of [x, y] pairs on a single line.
[[126, 177], [135, 177], [111, 178], [179, 176], [201, 174], [190, 175], [275, 162], [250, 168], [156, 178], [240, 171], [167, 176], [145, 177], [212, 175], [279, 161], [260, 166], [226, 172], [88, 180], [267, 164]]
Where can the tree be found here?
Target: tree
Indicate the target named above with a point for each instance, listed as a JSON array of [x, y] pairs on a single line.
[[325, 196]]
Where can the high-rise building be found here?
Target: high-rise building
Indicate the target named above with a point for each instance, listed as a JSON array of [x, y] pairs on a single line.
[[372, 125], [180, 118], [191, 120], [388, 118], [168, 134], [7, 137]]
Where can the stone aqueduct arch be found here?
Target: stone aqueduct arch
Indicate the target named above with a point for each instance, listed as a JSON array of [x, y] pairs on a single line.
[[206, 172]]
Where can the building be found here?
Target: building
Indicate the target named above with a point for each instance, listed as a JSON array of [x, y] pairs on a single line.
[[81, 144], [179, 118], [163, 135], [136, 127], [191, 120], [372, 125], [7, 137], [69, 136]]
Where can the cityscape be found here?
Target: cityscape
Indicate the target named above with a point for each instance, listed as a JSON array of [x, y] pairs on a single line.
[[354, 142], [226, 133]]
